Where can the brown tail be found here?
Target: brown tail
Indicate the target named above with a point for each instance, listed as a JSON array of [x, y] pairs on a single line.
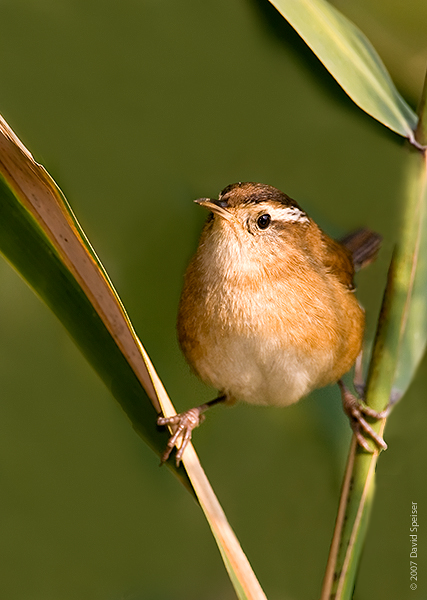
[[364, 245]]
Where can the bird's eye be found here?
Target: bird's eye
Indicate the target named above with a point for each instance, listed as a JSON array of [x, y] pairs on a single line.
[[263, 221]]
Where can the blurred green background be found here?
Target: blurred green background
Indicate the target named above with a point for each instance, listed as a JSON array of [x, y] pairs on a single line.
[[136, 108]]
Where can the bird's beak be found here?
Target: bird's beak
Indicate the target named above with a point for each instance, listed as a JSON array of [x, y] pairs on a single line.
[[215, 208]]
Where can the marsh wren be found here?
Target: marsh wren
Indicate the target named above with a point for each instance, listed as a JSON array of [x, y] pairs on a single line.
[[268, 311]]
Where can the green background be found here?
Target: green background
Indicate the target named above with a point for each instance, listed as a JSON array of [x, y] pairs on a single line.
[[136, 108]]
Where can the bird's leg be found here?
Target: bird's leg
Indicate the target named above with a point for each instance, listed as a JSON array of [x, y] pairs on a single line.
[[358, 381], [356, 411], [183, 425]]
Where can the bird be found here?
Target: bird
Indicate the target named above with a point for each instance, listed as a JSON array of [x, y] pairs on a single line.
[[268, 311]]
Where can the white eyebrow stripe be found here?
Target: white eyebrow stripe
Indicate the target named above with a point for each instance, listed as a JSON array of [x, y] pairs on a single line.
[[291, 214]]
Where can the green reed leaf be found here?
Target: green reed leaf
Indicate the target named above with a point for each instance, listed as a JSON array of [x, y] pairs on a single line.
[[351, 59]]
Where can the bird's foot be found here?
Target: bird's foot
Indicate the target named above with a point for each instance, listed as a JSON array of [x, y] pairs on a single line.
[[182, 426], [356, 411]]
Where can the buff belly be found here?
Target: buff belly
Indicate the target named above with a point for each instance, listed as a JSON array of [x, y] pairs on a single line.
[[258, 370]]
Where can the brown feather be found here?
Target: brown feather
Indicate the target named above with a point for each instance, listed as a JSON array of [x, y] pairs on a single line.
[[364, 245]]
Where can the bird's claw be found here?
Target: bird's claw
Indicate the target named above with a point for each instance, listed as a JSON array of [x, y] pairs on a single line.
[[182, 426], [356, 411]]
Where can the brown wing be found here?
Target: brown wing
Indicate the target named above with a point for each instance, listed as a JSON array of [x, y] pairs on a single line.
[[338, 260]]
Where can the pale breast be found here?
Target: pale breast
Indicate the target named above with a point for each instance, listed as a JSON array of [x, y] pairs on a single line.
[[265, 345], [257, 370]]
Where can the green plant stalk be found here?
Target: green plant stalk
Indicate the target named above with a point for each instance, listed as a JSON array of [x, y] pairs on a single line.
[[388, 352]]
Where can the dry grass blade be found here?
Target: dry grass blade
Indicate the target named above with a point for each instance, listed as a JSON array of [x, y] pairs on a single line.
[[241, 574], [41, 237], [44, 201]]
